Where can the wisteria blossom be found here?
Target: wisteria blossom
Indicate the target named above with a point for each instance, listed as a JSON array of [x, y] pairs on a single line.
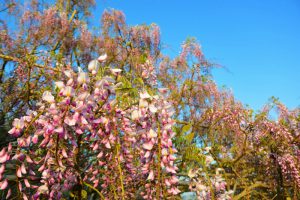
[[87, 139], [105, 113]]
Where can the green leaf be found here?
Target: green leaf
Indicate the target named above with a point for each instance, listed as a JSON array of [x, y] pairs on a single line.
[[72, 195], [139, 81], [189, 137], [83, 194], [186, 128]]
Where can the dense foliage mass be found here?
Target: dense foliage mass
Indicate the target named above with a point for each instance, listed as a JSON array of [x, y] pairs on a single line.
[[106, 115]]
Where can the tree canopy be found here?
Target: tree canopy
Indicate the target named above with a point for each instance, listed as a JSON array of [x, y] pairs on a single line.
[[104, 114]]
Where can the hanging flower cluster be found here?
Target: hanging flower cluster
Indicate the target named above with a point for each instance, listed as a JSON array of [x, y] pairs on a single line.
[[208, 186], [153, 117], [81, 137]]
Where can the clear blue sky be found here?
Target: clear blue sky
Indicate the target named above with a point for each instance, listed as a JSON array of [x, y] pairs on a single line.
[[258, 41]]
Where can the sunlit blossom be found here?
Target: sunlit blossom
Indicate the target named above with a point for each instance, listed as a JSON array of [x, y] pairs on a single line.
[[47, 96], [102, 58], [93, 66], [68, 91], [82, 77]]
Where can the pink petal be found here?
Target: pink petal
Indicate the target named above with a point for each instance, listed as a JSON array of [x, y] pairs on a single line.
[[20, 186], [59, 130], [152, 133], [47, 96], [151, 175], [60, 163], [3, 184], [172, 157], [41, 168], [95, 147], [59, 84], [44, 142], [4, 158], [170, 142], [165, 160], [145, 95], [167, 182], [174, 150], [102, 58], [107, 145], [31, 172], [45, 174], [64, 153], [2, 168], [78, 131], [116, 71], [175, 191], [23, 169], [28, 159], [28, 140], [34, 186], [76, 116], [9, 148], [19, 173], [100, 154], [2, 152], [83, 120], [171, 170], [163, 90], [35, 139], [147, 154], [43, 189], [174, 180], [8, 194], [18, 123], [70, 122], [148, 146], [97, 121], [96, 183], [152, 108], [25, 197], [12, 131], [164, 152], [27, 183], [135, 115]]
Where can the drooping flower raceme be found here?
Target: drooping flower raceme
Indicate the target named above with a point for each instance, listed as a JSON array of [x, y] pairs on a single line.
[[207, 185], [81, 138]]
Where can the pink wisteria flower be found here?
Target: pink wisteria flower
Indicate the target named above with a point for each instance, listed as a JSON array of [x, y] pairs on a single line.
[[102, 58], [18, 125], [83, 77], [116, 71], [85, 110], [47, 96], [93, 66]]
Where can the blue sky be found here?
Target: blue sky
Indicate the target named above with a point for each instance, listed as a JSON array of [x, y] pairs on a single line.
[[257, 42]]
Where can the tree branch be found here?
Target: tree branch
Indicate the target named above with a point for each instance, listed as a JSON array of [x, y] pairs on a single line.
[[2, 70], [8, 7], [10, 58], [249, 189]]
